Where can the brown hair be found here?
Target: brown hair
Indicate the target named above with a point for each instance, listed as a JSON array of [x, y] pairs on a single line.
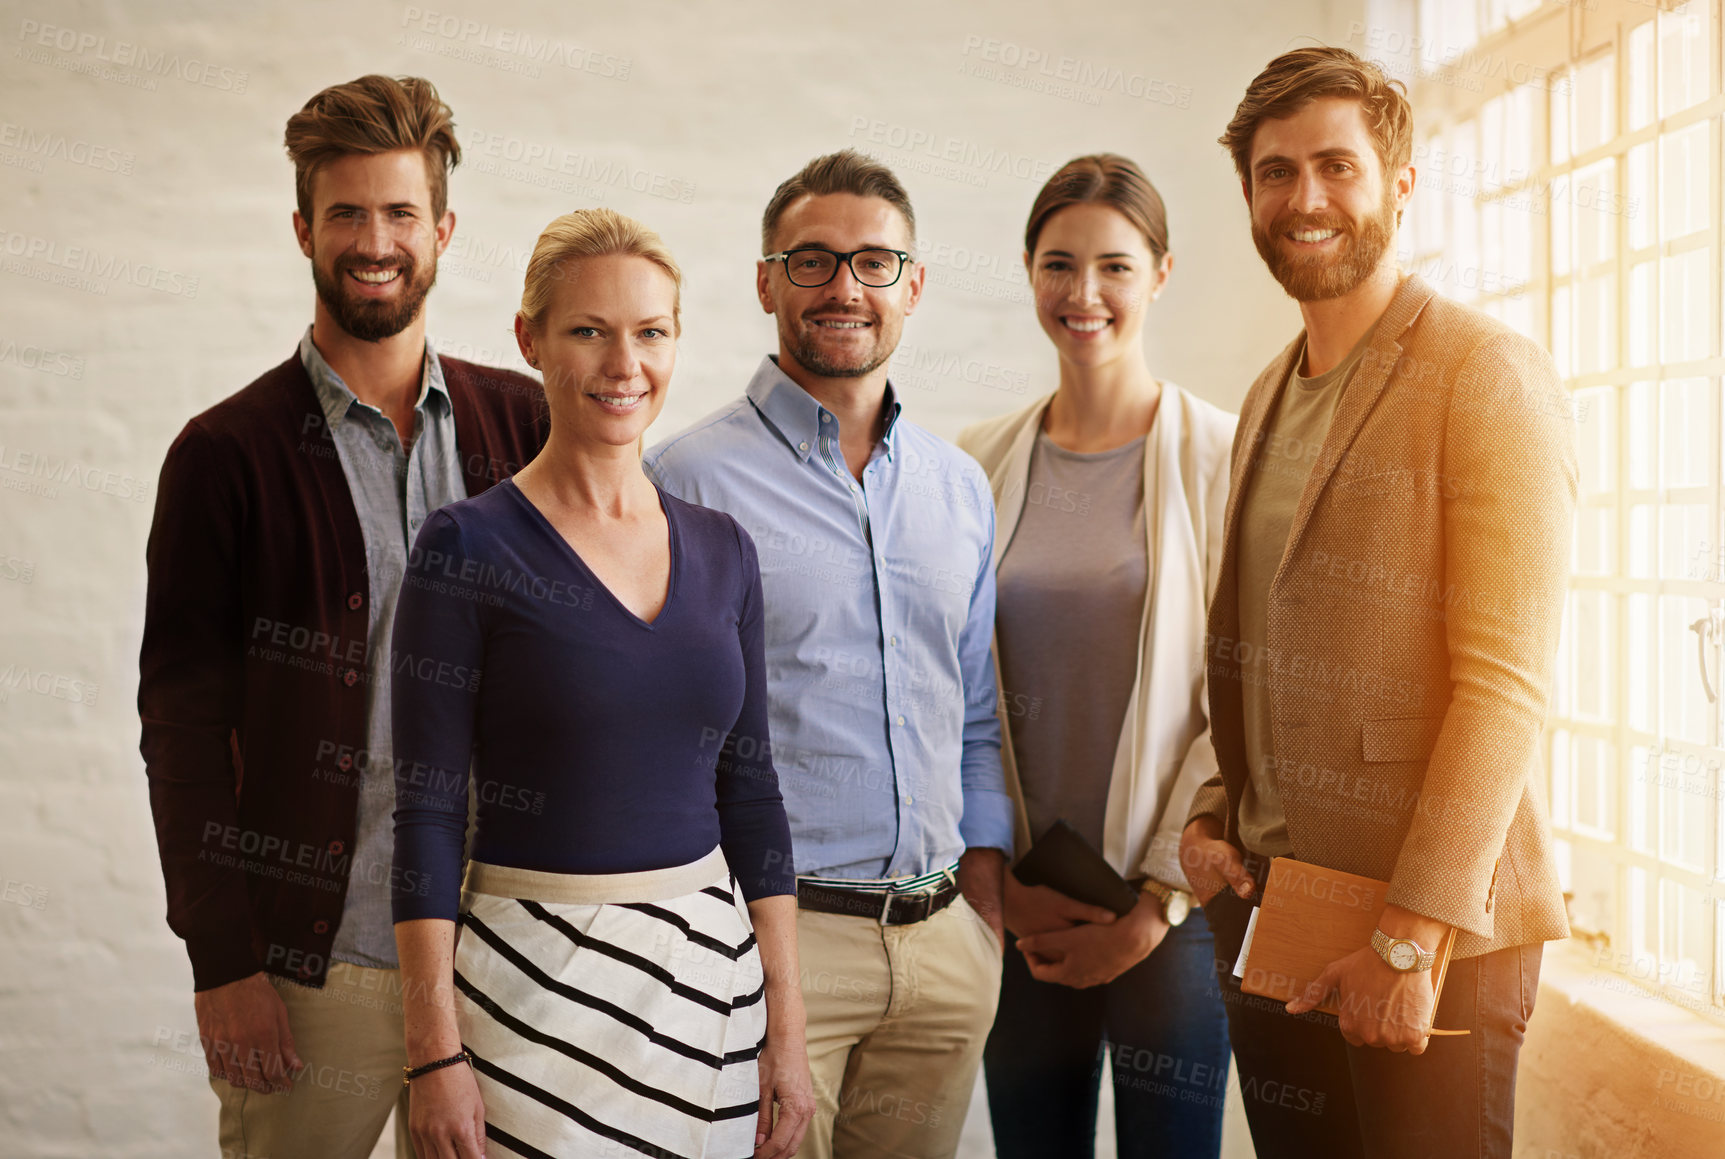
[[1112, 180], [374, 114], [591, 233], [1297, 78], [846, 171]]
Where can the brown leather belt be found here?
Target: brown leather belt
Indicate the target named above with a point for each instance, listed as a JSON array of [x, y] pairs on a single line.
[[887, 907]]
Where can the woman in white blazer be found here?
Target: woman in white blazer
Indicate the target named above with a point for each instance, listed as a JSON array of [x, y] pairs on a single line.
[[1109, 496]]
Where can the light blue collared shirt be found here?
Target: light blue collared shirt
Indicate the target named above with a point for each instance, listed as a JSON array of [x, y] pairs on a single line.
[[393, 491], [879, 601]]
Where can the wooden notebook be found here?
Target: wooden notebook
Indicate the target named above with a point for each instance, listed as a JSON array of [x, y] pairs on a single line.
[[1309, 917]]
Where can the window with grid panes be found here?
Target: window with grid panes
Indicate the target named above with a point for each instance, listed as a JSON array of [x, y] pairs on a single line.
[[1582, 207]]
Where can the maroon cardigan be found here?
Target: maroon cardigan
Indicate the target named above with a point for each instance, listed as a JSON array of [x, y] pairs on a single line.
[[252, 675]]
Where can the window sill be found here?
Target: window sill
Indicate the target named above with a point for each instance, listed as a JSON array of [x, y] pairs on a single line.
[[1610, 1068]]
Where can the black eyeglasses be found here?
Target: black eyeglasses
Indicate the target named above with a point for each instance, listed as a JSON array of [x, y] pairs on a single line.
[[816, 267]]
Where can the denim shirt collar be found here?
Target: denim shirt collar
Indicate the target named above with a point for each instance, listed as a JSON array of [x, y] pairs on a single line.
[[337, 398]]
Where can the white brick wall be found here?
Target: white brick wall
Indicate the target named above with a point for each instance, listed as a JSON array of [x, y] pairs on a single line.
[[149, 270]]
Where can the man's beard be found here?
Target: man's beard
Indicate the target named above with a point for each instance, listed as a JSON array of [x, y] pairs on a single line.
[[1320, 278], [802, 341], [372, 320]]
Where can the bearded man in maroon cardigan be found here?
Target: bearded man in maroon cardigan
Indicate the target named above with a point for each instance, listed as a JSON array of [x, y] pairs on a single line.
[[282, 528]]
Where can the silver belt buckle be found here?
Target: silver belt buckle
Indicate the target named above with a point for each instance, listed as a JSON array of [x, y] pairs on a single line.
[[948, 875]]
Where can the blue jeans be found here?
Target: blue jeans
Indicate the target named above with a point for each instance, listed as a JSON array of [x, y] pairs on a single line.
[[1307, 1092], [1161, 1025]]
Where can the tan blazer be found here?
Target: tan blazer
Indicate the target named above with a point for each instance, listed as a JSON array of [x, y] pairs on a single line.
[[1413, 621], [1164, 752]]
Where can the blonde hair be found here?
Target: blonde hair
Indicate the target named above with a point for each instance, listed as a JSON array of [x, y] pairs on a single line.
[[374, 114], [591, 233]]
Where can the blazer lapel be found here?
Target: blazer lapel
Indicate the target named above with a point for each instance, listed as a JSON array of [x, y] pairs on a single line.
[[1009, 479], [1163, 490], [1171, 552], [1359, 396], [1261, 400]]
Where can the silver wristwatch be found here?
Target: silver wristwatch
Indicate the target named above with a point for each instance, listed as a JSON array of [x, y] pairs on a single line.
[[1403, 955]]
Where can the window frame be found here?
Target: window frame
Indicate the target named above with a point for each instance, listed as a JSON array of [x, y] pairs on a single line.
[[1549, 43]]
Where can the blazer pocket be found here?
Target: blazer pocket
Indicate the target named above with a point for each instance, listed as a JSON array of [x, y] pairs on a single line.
[[1383, 485], [1402, 738]]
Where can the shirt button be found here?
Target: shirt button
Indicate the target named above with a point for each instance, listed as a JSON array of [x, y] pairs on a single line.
[[901, 718], [355, 600], [853, 486], [320, 927], [909, 800], [351, 678], [825, 417], [802, 446], [893, 640], [344, 762], [336, 847]]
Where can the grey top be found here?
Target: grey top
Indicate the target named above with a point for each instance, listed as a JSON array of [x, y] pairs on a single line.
[[1292, 440], [393, 491], [1071, 601]]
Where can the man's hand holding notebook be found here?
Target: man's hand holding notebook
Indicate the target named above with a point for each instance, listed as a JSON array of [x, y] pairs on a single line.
[[1311, 945]]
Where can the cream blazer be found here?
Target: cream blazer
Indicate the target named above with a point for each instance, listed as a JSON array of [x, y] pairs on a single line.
[[1164, 752]]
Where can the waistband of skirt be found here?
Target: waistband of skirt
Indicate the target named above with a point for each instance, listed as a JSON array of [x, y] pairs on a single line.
[[593, 888]]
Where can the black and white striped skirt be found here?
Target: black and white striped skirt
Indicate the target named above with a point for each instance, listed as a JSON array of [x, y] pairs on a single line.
[[612, 1015]]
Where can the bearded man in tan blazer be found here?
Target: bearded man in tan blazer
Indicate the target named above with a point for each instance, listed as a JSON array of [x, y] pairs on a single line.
[[1381, 644]]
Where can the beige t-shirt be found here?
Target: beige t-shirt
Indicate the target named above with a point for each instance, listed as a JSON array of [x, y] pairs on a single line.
[[1070, 601], [1292, 440]]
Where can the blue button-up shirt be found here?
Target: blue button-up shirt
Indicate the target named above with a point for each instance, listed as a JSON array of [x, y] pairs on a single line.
[[879, 599], [393, 491]]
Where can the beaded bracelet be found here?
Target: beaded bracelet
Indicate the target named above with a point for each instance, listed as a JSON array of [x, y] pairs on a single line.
[[409, 1073]]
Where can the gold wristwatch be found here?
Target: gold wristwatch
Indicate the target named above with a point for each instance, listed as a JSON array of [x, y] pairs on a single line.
[[1176, 903], [1403, 955]]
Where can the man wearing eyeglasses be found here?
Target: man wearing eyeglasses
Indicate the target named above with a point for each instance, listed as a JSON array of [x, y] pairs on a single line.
[[874, 539]]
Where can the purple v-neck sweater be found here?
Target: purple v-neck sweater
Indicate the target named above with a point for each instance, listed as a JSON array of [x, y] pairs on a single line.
[[599, 743]]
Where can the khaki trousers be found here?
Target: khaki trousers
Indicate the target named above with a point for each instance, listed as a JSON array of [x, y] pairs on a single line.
[[897, 1016], [349, 1035]]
